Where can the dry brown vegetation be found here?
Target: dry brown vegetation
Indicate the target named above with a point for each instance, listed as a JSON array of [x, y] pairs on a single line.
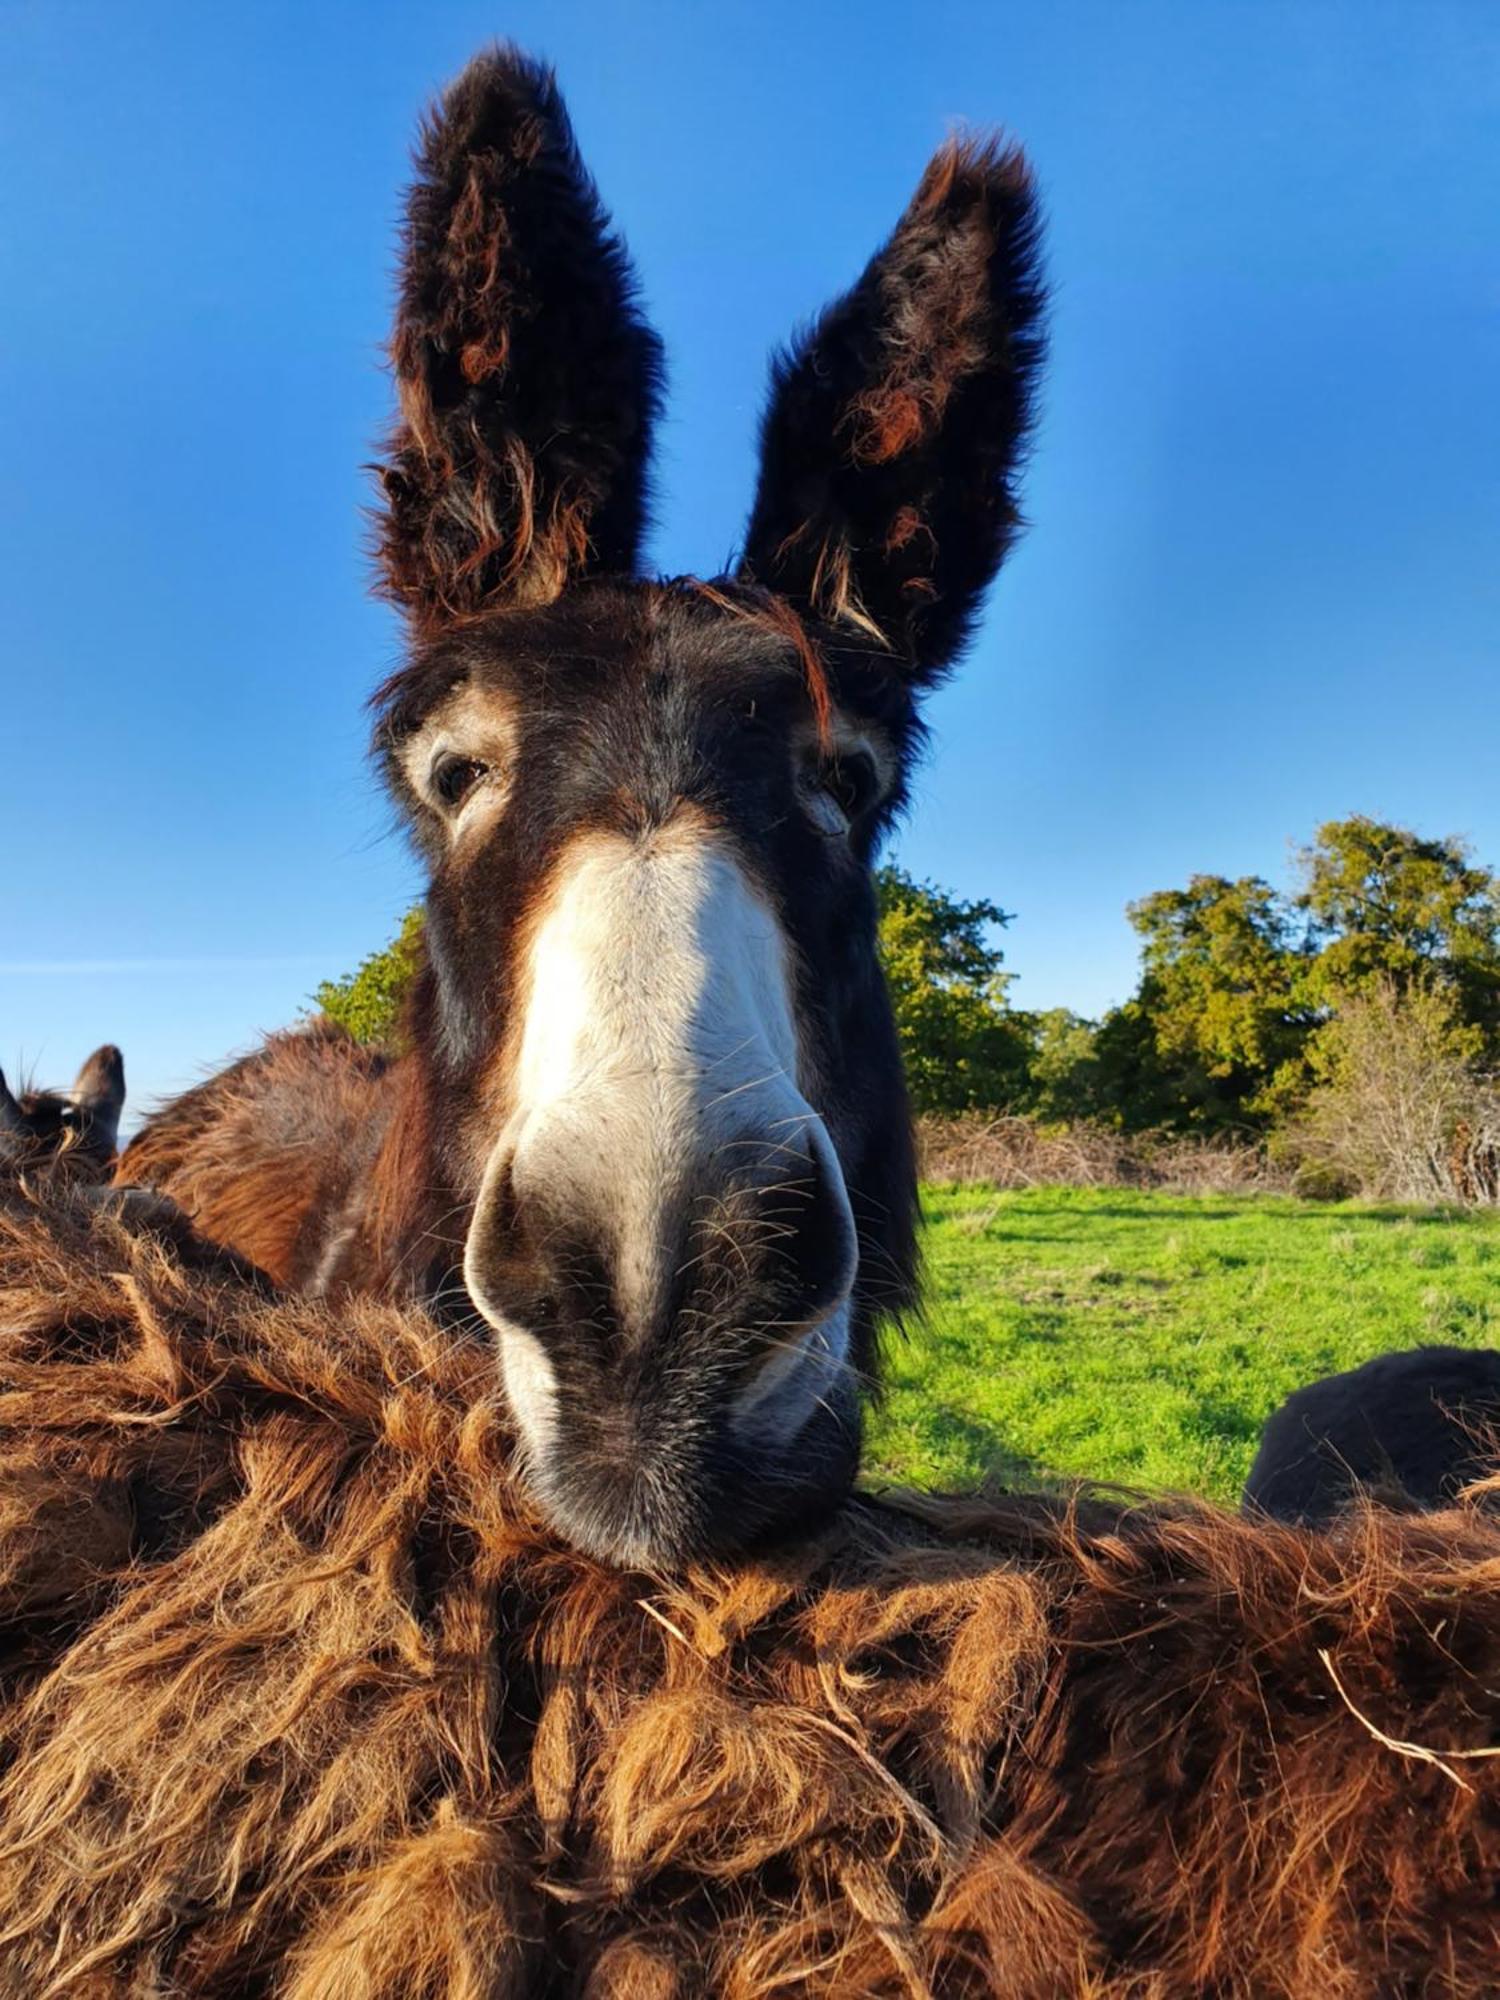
[[1402, 1113], [298, 1699], [1017, 1152]]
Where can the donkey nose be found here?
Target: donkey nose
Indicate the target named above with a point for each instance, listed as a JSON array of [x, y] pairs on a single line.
[[757, 1243], [677, 1365]]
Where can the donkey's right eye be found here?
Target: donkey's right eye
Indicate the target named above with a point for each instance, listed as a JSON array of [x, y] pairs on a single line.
[[453, 778]]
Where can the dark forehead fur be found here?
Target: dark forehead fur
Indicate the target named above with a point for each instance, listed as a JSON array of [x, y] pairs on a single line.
[[609, 640]]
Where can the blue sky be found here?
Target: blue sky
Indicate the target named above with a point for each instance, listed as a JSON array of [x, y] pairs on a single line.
[[1261, 585]]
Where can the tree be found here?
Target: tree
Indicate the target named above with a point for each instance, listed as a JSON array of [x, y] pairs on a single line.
[[963, 1046], [1240, 984], [368, 1003], [1385, 905], [1217, 1030], [1065, 1078]]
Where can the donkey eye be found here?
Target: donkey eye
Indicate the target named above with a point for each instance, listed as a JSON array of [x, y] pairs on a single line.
[[453, 778], [839, 790], [852, 781]]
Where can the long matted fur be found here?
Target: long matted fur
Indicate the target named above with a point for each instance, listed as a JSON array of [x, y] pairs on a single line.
[[300, 1701]]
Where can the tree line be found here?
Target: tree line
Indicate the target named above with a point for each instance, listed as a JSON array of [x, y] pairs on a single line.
[[1258, 1011]]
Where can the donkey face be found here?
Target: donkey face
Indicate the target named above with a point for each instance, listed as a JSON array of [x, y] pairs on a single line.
[[79, 1128], [661, 1077]]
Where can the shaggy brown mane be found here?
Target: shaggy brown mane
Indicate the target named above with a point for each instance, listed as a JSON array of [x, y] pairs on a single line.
[[300, 1700], [267, 1154]]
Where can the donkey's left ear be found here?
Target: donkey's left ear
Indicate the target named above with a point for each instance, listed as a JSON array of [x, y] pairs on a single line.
[[891, 442], [99, 1089], [528, 378]]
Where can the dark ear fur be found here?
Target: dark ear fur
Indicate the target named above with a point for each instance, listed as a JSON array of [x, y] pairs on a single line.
[[528, 379], [894, 429], [12, 1118], [99, 1089]]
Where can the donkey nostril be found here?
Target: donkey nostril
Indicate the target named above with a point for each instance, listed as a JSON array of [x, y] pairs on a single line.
[[820, 1246], [792, 1375]]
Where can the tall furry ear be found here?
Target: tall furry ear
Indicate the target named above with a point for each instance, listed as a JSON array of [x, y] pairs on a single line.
[[528, 378], [99, 1089], [895, 426], [13, 1120]]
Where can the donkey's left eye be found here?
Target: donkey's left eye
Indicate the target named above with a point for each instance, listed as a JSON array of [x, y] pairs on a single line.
[[453, 778], [837, 791], [843, 788], [853, 782]]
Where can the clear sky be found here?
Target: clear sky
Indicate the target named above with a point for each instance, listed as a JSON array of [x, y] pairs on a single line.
[[1261, 587]]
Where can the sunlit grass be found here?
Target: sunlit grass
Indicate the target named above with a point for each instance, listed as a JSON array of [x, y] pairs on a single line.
[[1146, 1337]]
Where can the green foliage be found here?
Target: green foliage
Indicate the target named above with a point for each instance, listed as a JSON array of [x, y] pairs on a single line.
[[1400, 1110], [1386, 905], [368, 1002], [1064, 1081], [1240, 984], [1220, 1018], [1116, 1334], [963, 1047]]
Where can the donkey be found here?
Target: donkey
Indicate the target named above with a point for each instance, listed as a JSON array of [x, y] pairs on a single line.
[[1412, 1429], [649, 1127], [74, 1131]]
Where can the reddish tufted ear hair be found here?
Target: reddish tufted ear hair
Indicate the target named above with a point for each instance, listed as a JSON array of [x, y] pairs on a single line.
[[528, 379]]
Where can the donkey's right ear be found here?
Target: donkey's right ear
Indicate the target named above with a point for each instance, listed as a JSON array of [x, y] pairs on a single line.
[[528, 378]]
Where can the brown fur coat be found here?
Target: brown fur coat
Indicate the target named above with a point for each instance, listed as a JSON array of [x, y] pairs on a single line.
[[299, 1700]]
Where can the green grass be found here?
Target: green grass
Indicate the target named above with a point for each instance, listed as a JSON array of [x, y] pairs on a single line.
[[1146, 1337]]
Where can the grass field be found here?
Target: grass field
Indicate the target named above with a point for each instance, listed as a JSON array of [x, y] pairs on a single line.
[[1145, 1337]]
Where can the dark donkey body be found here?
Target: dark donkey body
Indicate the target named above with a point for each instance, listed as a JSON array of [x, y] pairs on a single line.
[[650, 1123], [1412, 1429]]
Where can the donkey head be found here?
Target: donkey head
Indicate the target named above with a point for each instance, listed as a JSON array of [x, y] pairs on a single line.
[[76, 1129], [660, 1080]]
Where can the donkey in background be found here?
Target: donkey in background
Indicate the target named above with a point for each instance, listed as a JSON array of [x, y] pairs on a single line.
[[649, 1127], [74, 1131], [1412, 1429]]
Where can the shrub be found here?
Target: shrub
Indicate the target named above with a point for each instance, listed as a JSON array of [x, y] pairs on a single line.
[[1401, 1111], [1013, 1152], [367, 1003], [963, 1047]]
